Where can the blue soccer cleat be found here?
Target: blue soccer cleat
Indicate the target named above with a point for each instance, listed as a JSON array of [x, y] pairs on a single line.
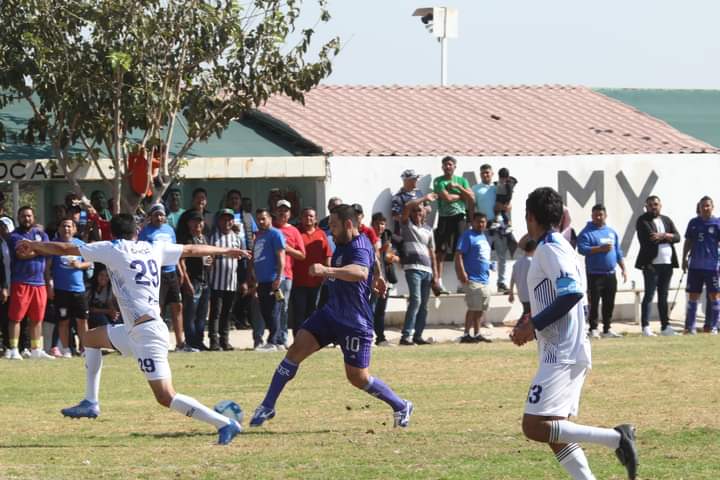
[[401, 418], [228, 432], [84, 409], [261, 414]]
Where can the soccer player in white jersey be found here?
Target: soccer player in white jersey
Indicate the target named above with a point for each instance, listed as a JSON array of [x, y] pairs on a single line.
[[134, 268], [556, 289]]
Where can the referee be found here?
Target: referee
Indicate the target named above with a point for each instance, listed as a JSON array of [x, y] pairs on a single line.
[[224, 282]]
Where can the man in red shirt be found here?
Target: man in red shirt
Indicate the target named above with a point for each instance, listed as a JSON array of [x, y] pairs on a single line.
[[305, 289], [295, 251]]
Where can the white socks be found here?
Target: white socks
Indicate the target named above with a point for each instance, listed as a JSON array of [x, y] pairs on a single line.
[[563, 431], [573, 460], [190, 407], [93, 367]]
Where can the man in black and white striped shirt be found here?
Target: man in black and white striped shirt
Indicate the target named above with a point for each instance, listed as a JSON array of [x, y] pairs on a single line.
[[224, 281]]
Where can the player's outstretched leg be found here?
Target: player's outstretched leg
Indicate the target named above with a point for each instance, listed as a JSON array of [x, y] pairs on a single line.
[[304, 345], [89, 407]]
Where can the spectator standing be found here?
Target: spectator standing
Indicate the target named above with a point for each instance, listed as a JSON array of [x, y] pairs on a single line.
[[244, 224], [657, 258], [485, 202], [101, 302], [701, 245], [28, 292], [295, 251], [364, 229], [199, 204], [224, 281], [600, 245], [266, 274], [6, 228], [159, 231], [388, 258], [306, 288], [453, 195], [196, 296], [99, 203], [420, 267], [174, 207], [519, 278], [66, 288], [472, 266]]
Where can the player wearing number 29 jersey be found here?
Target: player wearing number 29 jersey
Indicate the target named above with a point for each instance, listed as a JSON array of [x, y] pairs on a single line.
[[557, 306], [134, 269], [345, 320]]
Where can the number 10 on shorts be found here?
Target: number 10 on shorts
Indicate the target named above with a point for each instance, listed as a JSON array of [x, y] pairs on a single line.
[[352, 344]]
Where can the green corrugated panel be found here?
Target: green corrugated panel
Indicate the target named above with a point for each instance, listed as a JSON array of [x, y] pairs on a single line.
[[694, 112]]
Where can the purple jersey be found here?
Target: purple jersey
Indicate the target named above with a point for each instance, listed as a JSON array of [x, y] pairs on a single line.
[[32, 270], [705, 235], [349, 302]]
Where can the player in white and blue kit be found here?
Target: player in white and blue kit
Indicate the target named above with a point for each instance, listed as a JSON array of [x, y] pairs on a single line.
[[701, 244], [134, 268], [346, 320], [557, 307]]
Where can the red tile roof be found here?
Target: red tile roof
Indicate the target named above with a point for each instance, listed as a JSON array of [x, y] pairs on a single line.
[[476, 121]]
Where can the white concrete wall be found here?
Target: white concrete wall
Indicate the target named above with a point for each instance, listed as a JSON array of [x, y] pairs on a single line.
[[680, 182]]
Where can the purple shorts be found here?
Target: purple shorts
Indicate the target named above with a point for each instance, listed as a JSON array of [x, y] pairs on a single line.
[[696, 279], [355, 341]]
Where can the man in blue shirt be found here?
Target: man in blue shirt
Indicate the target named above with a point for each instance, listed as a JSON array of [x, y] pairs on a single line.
[[601, 247], [159, 231], [701, 244], [472, 266], [266, 273], [67, 287], [345, 320]]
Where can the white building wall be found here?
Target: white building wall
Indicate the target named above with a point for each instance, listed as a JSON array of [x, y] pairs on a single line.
[[680, 180]]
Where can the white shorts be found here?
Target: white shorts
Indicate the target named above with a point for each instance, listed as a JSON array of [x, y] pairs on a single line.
[[555, 390], [148, 343]]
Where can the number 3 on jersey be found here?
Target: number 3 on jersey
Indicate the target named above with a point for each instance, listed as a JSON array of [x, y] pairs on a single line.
[[142, 269], [534, 394]]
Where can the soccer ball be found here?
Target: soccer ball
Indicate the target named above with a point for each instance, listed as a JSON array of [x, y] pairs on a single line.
[[230, 409]]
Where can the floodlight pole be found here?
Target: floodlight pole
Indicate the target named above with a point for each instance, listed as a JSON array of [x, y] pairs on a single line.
[[443, 61]]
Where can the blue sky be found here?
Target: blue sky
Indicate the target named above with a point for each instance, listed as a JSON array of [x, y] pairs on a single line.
[[613, 43]]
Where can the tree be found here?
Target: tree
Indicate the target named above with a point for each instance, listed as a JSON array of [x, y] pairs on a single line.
[[117, 79]]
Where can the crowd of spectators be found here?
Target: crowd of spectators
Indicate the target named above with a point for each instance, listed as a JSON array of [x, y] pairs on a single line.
[[273, 293]]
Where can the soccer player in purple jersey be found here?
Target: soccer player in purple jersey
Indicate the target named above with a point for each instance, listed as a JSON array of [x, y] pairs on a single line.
[[346, 320], [701, 244]]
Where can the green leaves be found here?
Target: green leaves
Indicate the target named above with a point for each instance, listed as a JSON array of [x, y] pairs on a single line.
[[120, 60]]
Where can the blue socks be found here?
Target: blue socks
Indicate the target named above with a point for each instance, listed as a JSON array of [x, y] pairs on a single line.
[[377, 388], [715, 314], [690, 314], [284, 373]]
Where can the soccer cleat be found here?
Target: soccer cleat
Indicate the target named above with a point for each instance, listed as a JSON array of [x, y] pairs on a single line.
[[401, 418], [7, 354], [421, 341], [611, 334], [268, 347], [594, 333], [39, 354], [626, 451], [714, 331], [261, 414], [468, 339], [228, 432], [25, 353], [84, 409], [56, 352], [14, 354], [406, 342], [482, 339], [686, 332], [668, 332]]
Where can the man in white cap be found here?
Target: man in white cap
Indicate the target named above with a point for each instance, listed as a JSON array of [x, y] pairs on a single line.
[[295, 250], [407, 193]]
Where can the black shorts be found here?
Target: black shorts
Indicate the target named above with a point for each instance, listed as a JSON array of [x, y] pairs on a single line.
[[70, 305], [448, 232], [169, 289]]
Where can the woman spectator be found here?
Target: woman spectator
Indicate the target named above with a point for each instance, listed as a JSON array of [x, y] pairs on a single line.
[[101, 301]]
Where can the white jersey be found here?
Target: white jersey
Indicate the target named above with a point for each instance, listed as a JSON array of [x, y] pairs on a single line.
[[555, 271], [134, 269]]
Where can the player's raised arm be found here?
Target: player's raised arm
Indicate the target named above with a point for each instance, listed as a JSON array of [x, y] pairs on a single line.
[[212, 251], [31, 248]]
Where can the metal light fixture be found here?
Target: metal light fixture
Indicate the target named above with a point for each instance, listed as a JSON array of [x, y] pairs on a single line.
[[441, 22]]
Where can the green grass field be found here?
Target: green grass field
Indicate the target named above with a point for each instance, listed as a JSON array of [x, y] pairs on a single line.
[[469, 401]]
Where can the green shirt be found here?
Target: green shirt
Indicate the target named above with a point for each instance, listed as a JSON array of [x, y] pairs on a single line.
[[449, 209], [173, 217]]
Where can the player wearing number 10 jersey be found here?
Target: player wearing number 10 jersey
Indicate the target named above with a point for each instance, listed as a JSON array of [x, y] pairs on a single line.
[[134, 268], [345, 320], [557, 306]]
